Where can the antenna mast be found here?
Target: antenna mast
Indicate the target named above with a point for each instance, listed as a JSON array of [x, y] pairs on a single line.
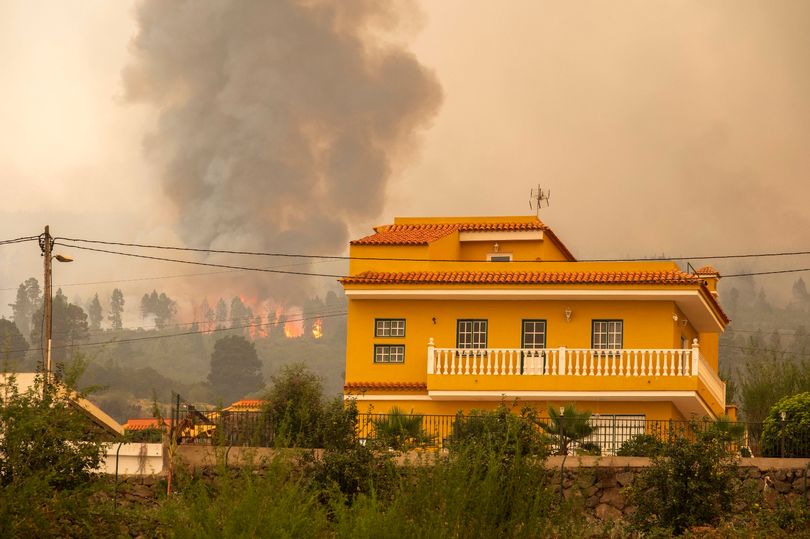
[[537, 197]]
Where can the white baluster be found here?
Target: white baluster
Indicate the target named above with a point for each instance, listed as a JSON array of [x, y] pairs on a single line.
[[635, 362], [489, 368], [431, 353], [613, 360], [656, 371]]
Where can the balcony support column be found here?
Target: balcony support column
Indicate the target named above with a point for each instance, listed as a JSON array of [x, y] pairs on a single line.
[[561, 370], [695, 357]]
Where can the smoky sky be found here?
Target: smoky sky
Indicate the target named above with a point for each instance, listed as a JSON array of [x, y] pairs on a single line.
[[279, 122]]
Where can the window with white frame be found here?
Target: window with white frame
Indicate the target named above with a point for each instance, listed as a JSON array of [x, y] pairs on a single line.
[[389, 353], [613, 430], [471, 334], [389, 327], [607, 334]]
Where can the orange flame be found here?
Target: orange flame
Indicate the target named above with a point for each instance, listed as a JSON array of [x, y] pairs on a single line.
[[317, 328]]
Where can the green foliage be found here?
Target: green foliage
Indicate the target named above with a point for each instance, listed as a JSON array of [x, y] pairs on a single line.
[[273, 503], [235, 368], [689, 483], [302, 418], [29, 299], [567, 427], [13, 345], [95, 313], [789, 437], [161, 306], [48, 455], [69, 327], [499, 430], [116, 308], [400, 431], [352, 471], [641, 445]]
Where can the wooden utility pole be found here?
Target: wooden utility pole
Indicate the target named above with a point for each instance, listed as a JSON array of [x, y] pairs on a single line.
[[46, 244]]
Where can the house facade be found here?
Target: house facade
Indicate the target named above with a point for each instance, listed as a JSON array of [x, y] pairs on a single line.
[[449, 314]]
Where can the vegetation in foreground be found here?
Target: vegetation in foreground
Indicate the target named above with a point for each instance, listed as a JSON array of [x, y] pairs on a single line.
[[492, 483]]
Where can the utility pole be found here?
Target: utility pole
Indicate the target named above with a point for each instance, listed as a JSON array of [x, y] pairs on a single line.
[[46, 244]]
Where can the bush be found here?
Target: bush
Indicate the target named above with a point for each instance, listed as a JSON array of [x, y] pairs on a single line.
[[300, 416], [791, 437], [48, 457], [400, 431], [641, 445], [500, 431], [689, 483]]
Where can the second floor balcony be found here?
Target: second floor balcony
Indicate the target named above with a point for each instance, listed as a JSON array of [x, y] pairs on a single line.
[[678, 374]]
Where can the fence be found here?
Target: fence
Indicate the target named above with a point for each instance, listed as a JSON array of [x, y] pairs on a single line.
[[611, 435]]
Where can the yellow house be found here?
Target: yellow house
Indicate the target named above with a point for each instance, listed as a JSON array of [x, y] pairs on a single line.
[[455, 313]]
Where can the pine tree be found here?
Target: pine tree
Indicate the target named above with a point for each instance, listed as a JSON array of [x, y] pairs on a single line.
[[116, 308], [95, 313], [29, 299], [221, 313]]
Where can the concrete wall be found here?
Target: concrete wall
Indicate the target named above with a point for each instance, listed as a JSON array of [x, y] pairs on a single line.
[[132, 459]]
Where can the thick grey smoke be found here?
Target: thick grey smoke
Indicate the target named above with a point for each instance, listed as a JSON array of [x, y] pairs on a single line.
[[279, 121]]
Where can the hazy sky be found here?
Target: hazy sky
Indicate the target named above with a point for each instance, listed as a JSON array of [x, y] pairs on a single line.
[[660, 127]]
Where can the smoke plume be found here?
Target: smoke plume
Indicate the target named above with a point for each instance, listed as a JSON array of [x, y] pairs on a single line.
[[279, 122]]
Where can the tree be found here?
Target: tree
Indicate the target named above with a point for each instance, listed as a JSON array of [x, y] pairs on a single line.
[[29, 299], [240, 314], [161, 306], [221, 313], [116, 308], [296, 405], [400, 431], [69, 327], [95, 313], [235, 368], [47, 456], [683, 473], [786, 430], [13, 345], [567, 428], [800, 291], [207, 315]]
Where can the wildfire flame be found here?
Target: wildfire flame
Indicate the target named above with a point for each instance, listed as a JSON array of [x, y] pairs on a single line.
[[317, 328]]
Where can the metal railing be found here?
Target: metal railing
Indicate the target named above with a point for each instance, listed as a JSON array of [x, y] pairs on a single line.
[[613, 434]]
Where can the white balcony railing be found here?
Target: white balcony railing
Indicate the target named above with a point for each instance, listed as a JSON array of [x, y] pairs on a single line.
[[564, 361]]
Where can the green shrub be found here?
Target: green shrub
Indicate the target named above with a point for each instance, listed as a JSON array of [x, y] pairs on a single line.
[[48, 456], [689, 483], [352, 471], [400, 431], [567, 428], [789, 437], [641, 445], [499, 431], [273, 503]]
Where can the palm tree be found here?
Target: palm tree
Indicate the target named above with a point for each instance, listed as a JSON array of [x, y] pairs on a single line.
[[399, 431], [567, 427]]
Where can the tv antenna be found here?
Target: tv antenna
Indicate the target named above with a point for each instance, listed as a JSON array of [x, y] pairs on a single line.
[[537, 197]]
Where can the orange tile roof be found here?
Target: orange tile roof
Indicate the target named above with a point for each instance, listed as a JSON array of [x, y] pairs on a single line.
[[422, 234], [393, 386], [245, 404], [707, 270], [524, 277], [144, 423]]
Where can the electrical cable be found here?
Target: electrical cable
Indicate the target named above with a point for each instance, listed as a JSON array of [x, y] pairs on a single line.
[[173, 335], [338, 276], [344, 257]]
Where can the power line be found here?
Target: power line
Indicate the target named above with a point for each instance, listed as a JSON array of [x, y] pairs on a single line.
[[18, 240], [338, 276], [178, 324], [208, 264], [186, 333], [344, 257]]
